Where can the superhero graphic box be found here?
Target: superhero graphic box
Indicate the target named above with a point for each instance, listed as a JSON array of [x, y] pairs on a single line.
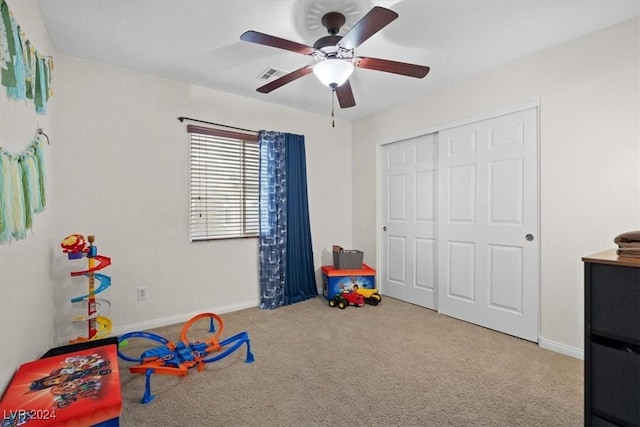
[[79, 388], [335, 281]]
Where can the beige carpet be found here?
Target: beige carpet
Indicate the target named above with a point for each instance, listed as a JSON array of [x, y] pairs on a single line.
[[391, 365]]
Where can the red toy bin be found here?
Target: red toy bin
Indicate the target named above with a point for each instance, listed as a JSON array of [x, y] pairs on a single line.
[[335, 281], [80, 388]]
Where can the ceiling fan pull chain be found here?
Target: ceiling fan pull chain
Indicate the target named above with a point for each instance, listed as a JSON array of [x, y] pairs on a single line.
[[333, 102]]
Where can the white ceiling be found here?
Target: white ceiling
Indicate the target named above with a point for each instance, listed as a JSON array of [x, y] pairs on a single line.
[[198, 41]]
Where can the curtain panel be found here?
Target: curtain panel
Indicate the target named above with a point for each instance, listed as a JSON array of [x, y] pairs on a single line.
[[285, 252]]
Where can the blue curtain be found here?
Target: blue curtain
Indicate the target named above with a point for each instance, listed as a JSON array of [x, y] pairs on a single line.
[[286, 255]]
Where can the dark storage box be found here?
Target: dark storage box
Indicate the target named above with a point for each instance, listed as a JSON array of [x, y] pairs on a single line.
[[615, 389], [72, 348], [614, 302], [347, 259]]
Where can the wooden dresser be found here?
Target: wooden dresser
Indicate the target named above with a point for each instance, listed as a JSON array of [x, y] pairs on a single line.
[[611, 340]]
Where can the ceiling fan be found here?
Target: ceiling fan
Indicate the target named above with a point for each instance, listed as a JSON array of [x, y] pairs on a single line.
[[334, 54]]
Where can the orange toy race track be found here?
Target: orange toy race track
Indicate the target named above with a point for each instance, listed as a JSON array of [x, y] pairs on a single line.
[[177, 358]]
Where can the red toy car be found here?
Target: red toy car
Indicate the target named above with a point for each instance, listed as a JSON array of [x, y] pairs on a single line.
[[347, 298]]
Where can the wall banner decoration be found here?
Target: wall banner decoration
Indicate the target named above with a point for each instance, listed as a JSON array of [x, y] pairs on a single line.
[[25, 72], [22, 190]]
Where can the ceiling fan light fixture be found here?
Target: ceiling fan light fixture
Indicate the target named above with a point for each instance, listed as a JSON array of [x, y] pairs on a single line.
[[333, 72]]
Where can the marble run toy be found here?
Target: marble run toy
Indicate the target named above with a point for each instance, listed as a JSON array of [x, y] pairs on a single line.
[[177, 358], [75, 246]]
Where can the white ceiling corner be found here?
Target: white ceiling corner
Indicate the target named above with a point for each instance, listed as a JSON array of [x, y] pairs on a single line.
[[198, 41]]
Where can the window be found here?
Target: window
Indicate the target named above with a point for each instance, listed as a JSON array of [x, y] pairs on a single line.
[[224, 184]]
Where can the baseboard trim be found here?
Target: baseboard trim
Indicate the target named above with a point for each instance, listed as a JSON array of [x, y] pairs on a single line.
[[169, 320], [567, 350]]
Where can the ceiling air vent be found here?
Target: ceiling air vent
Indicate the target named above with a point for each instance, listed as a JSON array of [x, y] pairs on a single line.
[[271, 73]]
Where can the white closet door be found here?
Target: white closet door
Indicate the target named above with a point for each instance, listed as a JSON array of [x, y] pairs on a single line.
[[409, 247], [488, 224]]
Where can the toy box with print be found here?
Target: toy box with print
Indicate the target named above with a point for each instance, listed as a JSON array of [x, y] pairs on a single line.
[[361, 281], [80, 388]]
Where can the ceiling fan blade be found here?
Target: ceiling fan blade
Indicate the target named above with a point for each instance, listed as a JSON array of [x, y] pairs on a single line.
[[371, 23], [402, 68], [267, 40], [345, 95], [294, 75]]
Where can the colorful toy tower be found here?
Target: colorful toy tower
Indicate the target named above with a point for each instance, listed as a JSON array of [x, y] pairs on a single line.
[[91, 256], [75, 247]]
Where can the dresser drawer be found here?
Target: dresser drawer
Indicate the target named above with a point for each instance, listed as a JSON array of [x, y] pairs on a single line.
[[615, 298], [596, 421], [615, 383]]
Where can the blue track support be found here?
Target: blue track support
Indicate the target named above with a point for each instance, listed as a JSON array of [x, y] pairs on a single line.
[[148, 397], [250, 358], [212, 325], [237, 341]]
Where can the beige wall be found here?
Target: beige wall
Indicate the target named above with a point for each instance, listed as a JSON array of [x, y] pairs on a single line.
[[26, 303], [588, 91], [124, 167]]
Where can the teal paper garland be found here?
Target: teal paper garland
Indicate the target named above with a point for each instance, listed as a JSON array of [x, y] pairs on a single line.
[[22, 190], [25, 72]]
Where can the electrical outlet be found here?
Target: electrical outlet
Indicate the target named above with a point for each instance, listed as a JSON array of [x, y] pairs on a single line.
[[142, 294]]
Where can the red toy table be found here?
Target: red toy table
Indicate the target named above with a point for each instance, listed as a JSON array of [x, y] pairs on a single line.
[[81, 388]]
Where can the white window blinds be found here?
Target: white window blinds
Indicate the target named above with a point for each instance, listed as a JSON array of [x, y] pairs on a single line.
[[224, 184]]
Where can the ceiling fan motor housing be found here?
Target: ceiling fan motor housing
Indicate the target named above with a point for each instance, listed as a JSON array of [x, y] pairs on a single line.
[[326, 41], [333, 21]]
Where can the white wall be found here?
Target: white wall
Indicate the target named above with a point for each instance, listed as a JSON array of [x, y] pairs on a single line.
[[588, 91], [124, 176], [119, 169], [26, 304]]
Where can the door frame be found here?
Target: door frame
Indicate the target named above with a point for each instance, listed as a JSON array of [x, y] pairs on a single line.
[[535, 103]]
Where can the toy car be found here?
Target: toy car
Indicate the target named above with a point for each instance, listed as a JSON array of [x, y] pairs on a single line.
[[347, 298], [371, 296], [353, 298], [338, 301]]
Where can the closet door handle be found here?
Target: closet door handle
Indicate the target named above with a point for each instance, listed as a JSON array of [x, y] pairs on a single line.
[[384, 228], [529, 237]]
